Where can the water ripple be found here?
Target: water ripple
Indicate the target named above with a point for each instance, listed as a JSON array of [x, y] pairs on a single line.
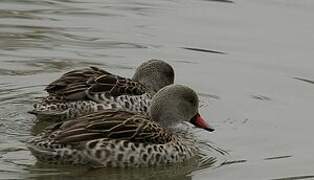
[[295, 177]]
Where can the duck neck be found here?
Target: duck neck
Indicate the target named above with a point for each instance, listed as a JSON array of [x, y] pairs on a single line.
[[165, 112], [151, 84]]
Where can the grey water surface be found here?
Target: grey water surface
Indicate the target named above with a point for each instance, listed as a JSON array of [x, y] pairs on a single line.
[[251, 61]]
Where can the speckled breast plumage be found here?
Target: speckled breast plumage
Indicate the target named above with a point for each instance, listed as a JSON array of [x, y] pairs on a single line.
[[64, 110], [113, 153]]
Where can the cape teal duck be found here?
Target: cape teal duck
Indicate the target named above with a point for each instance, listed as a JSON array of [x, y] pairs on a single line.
[[88, 90]]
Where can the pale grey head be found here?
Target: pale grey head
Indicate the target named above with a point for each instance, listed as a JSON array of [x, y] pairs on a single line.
[[154, 74], [174, 104]]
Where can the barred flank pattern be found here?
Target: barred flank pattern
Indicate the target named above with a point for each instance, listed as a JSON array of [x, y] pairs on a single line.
[[111, 138]]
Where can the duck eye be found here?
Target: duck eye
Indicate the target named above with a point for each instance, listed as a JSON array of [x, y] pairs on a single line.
[[169, 73], [191, 100]]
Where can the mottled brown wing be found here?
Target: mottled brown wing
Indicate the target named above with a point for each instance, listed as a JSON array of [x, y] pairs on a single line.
[[83, 84], [114, 85], [113, 124], [72, 85]]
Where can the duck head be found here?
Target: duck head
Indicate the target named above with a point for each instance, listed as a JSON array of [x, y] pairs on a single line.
[[154, 74], [176, 103]]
